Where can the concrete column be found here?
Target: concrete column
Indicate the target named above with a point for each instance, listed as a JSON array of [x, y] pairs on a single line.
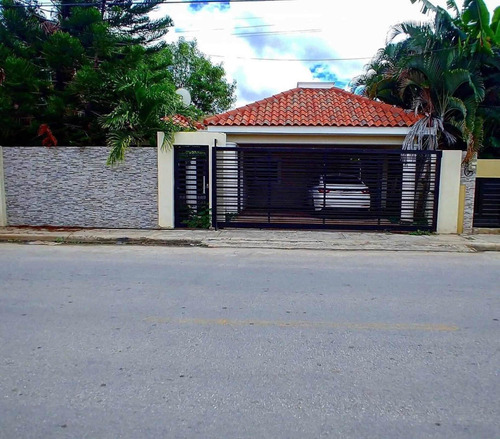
[[449, 192], [3, 204], [165, 184]]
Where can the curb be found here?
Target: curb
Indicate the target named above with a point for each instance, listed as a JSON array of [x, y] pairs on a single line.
[[340, 246], [98, 240], [485, 247], [468, 247]]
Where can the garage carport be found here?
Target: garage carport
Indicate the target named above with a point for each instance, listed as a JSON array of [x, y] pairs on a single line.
[[272, 186], [280, 150]]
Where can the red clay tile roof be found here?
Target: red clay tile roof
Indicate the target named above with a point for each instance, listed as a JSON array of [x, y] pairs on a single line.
[[330, 107], [185, 122]]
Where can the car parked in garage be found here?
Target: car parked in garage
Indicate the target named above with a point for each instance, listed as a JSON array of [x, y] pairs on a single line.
[[340, 191]]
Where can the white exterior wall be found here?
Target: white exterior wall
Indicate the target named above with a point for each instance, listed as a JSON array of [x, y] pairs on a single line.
[[449, 192], [372, 137], [166, 180]]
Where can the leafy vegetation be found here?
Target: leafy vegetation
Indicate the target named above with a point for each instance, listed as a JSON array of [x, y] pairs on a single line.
[[201, 219], [448, 72], [89, 72]]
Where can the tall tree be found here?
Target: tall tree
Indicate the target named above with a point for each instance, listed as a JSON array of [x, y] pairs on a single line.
[[94, 72], [210, 91], [132, 19]]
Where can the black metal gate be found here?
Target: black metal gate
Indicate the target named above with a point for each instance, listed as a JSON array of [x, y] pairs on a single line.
[[308, 187], [191, 184], [487, 202]]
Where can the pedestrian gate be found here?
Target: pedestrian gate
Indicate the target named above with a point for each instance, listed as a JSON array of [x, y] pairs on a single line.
[[191, 191], [308, 187]]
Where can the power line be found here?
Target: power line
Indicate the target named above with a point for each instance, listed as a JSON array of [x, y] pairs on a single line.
[[294, 59], [283, 32], [138, 2], [322, 59], [222, 28], [256, 33]]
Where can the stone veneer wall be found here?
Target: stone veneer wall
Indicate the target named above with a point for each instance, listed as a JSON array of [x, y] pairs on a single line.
[[469, 181], [73, 187]]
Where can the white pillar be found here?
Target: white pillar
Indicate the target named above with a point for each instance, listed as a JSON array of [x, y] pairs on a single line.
[[3, 204], [449, 192], [166, 184]]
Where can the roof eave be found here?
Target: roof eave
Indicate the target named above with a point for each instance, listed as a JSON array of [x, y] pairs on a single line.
[[311, 130]]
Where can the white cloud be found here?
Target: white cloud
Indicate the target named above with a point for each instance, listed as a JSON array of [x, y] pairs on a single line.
[[295, 29]]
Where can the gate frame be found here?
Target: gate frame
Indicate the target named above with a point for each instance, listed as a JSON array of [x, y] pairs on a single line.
[[441, 164]]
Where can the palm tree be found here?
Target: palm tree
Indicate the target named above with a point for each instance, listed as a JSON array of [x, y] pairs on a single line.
[[436, 70], [447, 96], [140, 112]]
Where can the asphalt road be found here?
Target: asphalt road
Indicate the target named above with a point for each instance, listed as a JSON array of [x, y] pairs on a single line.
[[155, 342]]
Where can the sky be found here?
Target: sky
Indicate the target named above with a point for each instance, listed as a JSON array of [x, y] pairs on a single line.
[[270, 46]]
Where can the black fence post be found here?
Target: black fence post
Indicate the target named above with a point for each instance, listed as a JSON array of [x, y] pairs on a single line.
[[214, 185], [437, 183]]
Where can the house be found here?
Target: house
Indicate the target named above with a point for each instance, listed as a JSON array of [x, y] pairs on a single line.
[[315, 156]]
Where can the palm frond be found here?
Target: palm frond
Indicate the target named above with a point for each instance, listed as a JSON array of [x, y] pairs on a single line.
[[454, 79], [426, 6], [451, 4], [422, 135], [118, 141]]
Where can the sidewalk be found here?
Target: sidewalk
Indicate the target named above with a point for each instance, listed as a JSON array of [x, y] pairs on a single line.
[[251, 238]]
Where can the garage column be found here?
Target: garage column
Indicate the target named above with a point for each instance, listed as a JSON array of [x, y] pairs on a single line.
[[166, 184], [449, 192]]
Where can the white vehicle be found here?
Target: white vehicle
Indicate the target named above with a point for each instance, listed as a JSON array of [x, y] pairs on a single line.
[[340, 191]]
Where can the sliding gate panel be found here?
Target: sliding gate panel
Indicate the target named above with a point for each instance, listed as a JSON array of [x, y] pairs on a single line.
[[326, 188]]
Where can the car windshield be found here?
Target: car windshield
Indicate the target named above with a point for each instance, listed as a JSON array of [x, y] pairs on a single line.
[[340, 179]]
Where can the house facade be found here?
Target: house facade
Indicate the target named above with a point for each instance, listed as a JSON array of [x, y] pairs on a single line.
[[315, 156], [311, 157]]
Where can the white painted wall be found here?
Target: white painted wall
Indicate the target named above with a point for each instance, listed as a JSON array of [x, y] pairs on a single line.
[[166, 182], [3, 204], [449, 192]]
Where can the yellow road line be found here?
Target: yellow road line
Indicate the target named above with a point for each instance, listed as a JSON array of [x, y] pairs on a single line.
[[305, 324]]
